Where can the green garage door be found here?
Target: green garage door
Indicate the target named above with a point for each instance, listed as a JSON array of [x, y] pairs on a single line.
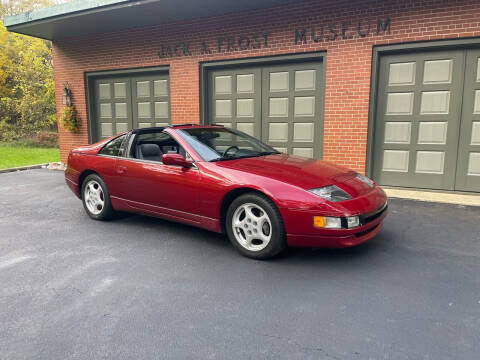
[[281, 104], [129, 102], [426, 134], [468, 166]]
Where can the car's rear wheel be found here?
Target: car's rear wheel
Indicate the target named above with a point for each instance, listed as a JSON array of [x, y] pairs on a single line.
[[255, 226], [96, 199]]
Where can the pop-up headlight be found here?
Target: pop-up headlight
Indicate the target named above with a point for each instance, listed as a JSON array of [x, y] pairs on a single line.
[[366, 180], [331, 193]]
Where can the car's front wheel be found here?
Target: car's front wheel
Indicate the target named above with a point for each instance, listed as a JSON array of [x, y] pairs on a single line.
[[255, 227], [96, 199]]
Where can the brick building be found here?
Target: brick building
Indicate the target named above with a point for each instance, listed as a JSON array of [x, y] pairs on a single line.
[[390, 88]]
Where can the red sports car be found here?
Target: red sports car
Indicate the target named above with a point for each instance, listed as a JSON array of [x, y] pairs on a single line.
[[226, 181]]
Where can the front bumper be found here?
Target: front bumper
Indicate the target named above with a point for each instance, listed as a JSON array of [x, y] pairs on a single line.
[[339, 238], [371, 208]]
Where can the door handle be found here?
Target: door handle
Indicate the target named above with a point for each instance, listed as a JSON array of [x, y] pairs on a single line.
[[121, 169]]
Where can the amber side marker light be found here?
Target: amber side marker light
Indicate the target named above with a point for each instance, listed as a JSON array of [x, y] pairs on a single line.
[[319, 221]]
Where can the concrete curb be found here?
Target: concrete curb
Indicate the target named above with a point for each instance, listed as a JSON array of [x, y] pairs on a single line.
[[23, 168], [436, 197]]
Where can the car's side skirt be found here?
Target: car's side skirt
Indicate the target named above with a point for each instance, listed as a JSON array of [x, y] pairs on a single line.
[[165, 213]]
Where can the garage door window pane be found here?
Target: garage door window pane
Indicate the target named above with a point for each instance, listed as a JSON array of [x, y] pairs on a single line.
[[401, 74], [223, 108], [474, 164], [438, 72], [106, 110], [476, 133], [223, 85], [278, 132], [120, 110], [143, 89], [279, 107], [305, 80], [161, 109], [400, 103], [144, 110], [395, 160], [478, 69], [430, 162], [305, 106], [245, 107], [246, 128], [245, 83], [476, 108], [107, 130], [120, 90], [397, 132], [160, 88], [279, 81], [432, 133], [303, 132], [305, 152], [121, 127], [104, 90], [435, 102]]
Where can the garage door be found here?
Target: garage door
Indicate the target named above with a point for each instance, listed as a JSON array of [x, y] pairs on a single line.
[[468, 167], [426, 127], [129, 102], [281, 104]]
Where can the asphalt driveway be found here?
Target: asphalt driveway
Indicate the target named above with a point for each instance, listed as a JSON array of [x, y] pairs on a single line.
[[143, 288]]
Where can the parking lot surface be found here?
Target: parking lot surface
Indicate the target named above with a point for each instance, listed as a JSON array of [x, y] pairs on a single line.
[[144, 288]]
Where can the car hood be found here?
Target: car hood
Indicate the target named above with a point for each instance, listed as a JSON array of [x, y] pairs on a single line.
[[302, 172]]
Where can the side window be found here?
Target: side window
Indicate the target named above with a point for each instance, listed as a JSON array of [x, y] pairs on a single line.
[[114, 147], [153, 145]]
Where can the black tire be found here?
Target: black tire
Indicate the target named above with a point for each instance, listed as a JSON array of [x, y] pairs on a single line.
[[277, 242], [106, 212]]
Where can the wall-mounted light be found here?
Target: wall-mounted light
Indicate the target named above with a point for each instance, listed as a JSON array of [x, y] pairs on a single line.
[[67, 95]]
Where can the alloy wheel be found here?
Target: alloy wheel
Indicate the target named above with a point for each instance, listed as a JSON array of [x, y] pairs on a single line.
[[94, 197], [252, 227]]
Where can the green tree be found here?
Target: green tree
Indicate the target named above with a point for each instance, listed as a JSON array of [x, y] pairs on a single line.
[[27, 101], [27, 97]]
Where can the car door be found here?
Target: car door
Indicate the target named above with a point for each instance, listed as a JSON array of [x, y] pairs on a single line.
[[158, 188], [105, 162]]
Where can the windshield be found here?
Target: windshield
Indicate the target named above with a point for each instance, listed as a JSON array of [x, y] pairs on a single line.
[[218, 144]]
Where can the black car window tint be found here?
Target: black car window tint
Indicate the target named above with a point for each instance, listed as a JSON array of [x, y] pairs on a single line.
[[165, 141], [114, 147]]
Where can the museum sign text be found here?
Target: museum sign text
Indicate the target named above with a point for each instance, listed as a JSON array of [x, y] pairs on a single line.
[[302, 35]]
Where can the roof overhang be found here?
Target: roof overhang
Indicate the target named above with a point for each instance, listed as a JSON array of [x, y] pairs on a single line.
[[87, 17]]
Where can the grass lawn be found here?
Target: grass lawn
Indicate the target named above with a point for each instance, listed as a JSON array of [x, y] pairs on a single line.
[[14, 156]]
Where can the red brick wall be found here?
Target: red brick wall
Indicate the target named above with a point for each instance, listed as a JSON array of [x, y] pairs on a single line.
[[348, 61]]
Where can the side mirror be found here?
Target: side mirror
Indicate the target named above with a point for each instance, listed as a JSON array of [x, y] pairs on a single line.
[[176, 159]]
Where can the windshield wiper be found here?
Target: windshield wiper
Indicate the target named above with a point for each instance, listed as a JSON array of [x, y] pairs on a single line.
[[224, 158], [233, 157], [263, 153]]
